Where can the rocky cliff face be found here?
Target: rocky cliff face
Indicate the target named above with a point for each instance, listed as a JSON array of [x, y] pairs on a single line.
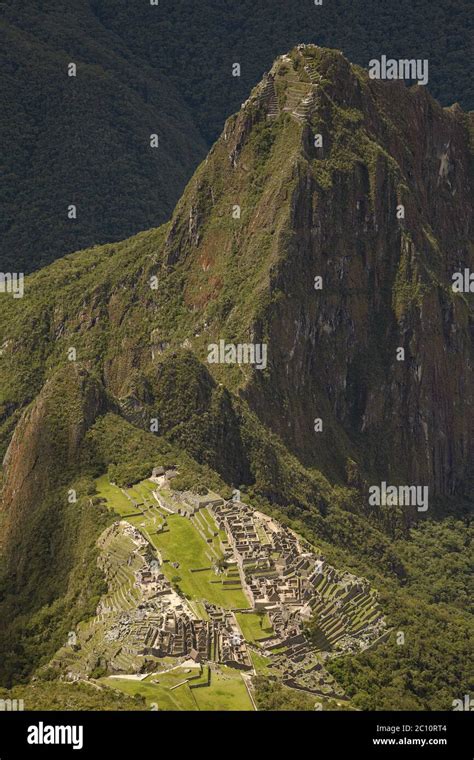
[[42, 457], [386, 284], [367, 185]]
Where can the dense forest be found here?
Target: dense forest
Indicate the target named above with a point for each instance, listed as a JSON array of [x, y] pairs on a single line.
[[195, 42], [164, 70], [83, 140]]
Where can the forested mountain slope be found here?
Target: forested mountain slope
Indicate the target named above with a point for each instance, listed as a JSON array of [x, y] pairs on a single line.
[[164, 69], [83, 140]]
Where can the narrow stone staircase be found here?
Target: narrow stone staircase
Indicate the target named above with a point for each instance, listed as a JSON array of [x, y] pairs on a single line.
[[268, 96]]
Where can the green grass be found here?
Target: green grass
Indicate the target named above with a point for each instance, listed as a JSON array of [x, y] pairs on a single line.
[[253, 626], [262, 535], [261, 664], [208, 518], [143, 492], [116, 499], [181, 543], [226, 691], [199, 609], [212, 529], [61, 695], [159, 693]]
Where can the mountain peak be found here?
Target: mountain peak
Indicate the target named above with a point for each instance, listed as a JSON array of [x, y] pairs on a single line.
[[297, 81], [327, 172]]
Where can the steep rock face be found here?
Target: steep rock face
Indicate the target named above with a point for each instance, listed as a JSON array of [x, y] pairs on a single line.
[[48, 573], [42, 454], [380, 207], [386, 284]]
